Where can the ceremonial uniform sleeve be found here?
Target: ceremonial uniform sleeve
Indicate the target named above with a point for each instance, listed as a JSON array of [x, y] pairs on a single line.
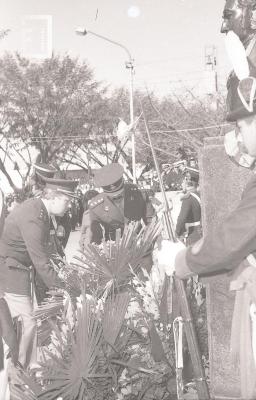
[[227, 245], [183, 217], [36, 238]]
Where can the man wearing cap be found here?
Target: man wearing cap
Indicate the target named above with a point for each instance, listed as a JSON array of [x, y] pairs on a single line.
[[189, 219], [231, 246], [119, 204], [60, 226], [25, 248], [36, 182]]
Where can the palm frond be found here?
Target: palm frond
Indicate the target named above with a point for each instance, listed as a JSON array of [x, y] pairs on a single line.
[[74, 378], [115, 262], [113, 318], [50, 307], [23, 386]]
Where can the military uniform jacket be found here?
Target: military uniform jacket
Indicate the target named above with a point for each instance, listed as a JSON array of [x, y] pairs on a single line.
[[190, 213], [230, 242], [107, 217], [26, 241]]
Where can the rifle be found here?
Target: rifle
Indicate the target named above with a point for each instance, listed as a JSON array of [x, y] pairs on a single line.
[[199, 375]]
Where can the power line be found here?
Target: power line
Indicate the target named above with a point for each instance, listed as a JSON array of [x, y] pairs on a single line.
[[194, 129], [67, 138]]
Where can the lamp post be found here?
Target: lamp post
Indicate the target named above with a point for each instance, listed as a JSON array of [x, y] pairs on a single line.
[[129, 65]]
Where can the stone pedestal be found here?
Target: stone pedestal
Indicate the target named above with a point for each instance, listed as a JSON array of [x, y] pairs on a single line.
[[221, 184]]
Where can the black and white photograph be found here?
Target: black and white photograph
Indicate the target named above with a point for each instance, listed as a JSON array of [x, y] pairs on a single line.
[[128, 200]]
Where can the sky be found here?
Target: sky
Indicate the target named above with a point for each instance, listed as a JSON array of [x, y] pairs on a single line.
[[166, 38]]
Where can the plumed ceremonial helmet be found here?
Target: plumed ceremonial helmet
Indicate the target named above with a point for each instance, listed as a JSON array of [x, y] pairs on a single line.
[[239, 16], [241, 84]]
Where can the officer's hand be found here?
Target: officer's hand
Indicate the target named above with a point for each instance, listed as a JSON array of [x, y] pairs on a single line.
[[14, 354], [166, 255]]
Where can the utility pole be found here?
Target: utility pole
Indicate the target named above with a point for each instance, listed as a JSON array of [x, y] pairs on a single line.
[[210, 55]]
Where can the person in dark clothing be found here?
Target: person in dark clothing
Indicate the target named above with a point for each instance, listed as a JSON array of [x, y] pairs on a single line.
[[189, 219], [26, 249], [60, 225], [118, 205]]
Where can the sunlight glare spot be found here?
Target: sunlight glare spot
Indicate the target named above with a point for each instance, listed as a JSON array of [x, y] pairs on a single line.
[[133, 12]]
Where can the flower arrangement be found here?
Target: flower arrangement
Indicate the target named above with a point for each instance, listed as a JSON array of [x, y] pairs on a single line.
[[115, 340]]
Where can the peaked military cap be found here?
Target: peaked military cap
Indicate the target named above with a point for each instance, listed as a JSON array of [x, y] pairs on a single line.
[[110, 178], [65, 186], [192, 173], [45, 169]]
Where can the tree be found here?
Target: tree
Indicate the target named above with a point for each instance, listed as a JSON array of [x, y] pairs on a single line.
[[47, 105], [179, 121], [58, 108]]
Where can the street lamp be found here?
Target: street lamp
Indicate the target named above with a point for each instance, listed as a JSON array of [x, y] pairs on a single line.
[[130, 65]]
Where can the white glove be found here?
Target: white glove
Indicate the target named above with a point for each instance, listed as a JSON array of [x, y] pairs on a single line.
[[166, 254]]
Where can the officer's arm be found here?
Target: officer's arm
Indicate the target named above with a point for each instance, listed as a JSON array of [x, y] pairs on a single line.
[[228, 244], [182, 218], [36, 237]]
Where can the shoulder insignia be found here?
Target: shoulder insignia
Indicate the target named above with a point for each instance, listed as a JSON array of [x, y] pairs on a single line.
[[42, 215], [96, 202]]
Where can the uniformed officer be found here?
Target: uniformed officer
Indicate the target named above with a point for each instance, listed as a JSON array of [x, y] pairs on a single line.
[[117, 205], [189, 219], [60, 226], [25, 249]]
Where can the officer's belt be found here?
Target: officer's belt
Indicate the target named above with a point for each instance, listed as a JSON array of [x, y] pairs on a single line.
[[192, 224]]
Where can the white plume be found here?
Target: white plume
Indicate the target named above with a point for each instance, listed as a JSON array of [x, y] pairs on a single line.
[[237, 55], [123, 129]]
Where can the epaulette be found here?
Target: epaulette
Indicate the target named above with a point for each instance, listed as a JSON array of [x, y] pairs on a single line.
[[96, 202]]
